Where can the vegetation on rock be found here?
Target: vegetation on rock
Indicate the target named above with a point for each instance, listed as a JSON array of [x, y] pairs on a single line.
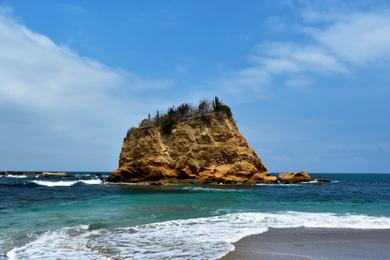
[[167, 121]]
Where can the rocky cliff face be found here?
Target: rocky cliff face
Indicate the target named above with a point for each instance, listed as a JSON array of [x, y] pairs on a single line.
[[203, 148]]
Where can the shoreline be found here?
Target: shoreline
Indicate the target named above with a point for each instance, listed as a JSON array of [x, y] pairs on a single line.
[[314, 243]]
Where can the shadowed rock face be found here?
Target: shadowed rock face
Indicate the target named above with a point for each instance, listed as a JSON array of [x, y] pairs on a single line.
[[199, 149]]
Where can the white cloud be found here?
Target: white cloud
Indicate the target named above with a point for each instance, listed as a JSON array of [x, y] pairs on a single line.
[[336, 44], [35, 71], [359, 38], [62, 96]]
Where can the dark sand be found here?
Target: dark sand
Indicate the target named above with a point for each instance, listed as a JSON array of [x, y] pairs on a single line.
[[314, 243]]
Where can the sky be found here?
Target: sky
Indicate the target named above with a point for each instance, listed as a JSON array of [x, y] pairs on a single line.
[[308, 81]]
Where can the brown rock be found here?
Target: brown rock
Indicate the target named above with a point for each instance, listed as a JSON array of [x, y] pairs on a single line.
[[195, 151], [294, 177], [54, 174], [267, 179]]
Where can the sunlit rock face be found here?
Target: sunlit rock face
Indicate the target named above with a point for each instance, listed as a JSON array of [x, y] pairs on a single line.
[[202, 148], [294, 177]]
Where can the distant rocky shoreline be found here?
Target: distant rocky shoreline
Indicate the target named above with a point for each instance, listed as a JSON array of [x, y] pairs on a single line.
[[280, 179], [41, 174]]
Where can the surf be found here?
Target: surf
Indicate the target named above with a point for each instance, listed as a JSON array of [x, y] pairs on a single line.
[[196, 238], [66, 183]]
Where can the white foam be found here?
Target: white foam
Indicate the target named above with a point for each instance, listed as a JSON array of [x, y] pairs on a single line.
[[14, 176], [315, 181], [93, 181], [55, 183], [221, 189], [66, 183], [66, 243], [200, 238], [280, 184]]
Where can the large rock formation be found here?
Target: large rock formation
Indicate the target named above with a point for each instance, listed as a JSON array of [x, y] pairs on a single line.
[[200, 148]]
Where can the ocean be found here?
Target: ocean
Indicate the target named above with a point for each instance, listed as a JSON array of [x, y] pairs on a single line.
[[83, 218]]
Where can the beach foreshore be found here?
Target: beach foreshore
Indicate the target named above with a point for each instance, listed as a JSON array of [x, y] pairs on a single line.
[[314, 243]]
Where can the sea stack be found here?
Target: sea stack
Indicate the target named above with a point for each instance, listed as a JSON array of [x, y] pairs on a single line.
[[189, 145]]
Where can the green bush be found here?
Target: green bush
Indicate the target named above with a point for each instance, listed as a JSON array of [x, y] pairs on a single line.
[[216, 104], [226, 109], [184, 110], [168, 120], [204, 106], [219, 106], [167, 123]]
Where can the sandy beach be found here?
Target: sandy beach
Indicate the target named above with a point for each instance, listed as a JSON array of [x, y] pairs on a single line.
[[314, 243]]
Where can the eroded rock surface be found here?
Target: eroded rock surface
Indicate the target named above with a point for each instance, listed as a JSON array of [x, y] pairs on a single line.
[[203, 148], [294, 177], [54, 174]]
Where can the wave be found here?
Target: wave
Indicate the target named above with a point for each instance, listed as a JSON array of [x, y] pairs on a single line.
[[13, 176], [281, 184], [217, 189], [55, 183], [93, 181], [199, 238], [66, 183], [294, 184]]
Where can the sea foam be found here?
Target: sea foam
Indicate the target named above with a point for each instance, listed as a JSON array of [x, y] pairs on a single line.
[[66, 183], [93, 181], [199, 238], [13, 176]]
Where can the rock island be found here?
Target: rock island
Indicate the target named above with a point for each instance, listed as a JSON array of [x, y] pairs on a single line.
[[190, 145]]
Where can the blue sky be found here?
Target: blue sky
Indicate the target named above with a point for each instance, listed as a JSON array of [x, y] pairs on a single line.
[[308, 81]]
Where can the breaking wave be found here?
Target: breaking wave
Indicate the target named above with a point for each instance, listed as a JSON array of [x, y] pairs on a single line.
[[13, 176], [199, 238], [66, 183]]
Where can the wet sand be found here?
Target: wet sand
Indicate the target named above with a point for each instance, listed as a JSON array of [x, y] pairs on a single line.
[[314, 243]]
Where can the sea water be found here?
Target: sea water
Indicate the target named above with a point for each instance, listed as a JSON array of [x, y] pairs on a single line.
[[84, 218]]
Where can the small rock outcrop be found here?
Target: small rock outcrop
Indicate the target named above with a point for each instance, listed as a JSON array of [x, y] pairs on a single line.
[[54, 174], [294, 177], [189, 145]]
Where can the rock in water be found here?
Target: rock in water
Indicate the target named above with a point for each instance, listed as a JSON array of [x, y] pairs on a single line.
[[200, 148], [294, 177], [54, 174]]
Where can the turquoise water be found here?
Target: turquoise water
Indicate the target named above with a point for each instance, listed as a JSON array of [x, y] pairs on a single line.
[[96, 220]]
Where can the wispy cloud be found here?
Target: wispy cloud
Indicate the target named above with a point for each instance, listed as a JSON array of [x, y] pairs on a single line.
[[357, 39], [38, 72], [74, 98], [336, 44]]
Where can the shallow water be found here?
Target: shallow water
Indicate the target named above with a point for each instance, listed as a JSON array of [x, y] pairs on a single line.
[[82, 217]]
